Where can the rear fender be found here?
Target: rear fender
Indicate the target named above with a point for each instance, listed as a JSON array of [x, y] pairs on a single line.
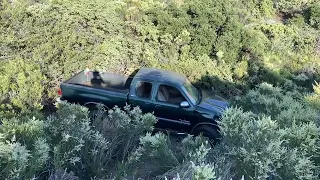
[[94, 104]]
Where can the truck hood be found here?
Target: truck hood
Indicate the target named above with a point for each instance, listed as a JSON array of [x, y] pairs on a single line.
[[212, 104]]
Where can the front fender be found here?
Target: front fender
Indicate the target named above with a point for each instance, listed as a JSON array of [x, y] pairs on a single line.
[[204, 123]]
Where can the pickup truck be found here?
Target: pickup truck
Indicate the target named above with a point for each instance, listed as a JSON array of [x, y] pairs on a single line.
[[176, 103]]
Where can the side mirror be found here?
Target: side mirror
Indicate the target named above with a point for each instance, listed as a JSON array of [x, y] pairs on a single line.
[[184, 104]]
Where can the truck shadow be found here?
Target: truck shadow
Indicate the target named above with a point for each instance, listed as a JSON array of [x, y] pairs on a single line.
[[215, 86], [258, 73]]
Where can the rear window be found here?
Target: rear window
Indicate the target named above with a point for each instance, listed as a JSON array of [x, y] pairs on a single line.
[[144, 89]]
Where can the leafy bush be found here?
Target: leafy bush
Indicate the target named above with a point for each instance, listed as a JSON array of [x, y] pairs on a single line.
[[291, 5], [157, 154], [62, 175], [223, 39], [260, 149], [280, 139], [254, 143], [315, 15], [122, 129], [66, 140], [277, 103], [60, 36], [75, 144], [314, 99], [22, 86], [24, 151]]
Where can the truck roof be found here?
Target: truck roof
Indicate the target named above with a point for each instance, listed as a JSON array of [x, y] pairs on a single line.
[[161, 75]]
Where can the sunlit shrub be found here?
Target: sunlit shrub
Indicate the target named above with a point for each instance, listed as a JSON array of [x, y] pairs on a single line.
[[22, 86]]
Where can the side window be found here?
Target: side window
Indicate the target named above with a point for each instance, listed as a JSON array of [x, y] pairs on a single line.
[[144, 89], [169, 95]]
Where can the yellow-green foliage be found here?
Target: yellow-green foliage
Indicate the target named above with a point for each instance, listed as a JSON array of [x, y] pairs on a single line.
[[66, 36], [315, 15], [291, 5], [22, 86], [107, 149], [280, 139], [24, 150], [226, 40], [314, 98]]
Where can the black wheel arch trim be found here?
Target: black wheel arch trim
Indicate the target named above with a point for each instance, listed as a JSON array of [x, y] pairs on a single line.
[[88, 104], [202, 124]]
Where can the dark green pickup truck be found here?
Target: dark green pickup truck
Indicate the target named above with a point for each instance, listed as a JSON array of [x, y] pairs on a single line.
[[176, 103]]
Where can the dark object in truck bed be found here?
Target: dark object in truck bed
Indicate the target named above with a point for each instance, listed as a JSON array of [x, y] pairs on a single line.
[[109, 81]]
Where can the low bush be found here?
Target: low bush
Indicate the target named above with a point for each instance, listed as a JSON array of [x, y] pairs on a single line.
[[292, 5], [70, 145], [22, 87], [280, 139], [158, 157], [314, 98], [24, 150], [66, 140], [315, 15]]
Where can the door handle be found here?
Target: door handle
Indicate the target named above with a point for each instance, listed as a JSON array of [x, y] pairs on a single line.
[[158, 106]]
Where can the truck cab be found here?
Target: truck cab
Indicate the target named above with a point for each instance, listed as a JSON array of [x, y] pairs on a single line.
[[174, 100]]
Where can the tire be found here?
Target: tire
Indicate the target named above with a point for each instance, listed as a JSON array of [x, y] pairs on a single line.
[[209, 132], [93, 114], [93, 110]]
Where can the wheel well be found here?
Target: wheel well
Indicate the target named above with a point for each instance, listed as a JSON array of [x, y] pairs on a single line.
[[93, 105], [204, 124]]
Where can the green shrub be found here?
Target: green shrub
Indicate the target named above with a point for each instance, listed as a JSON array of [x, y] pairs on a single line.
[[291, 5], [277, 103], [260, 149], [315, 15], [295, 125], [25, 130], [114, 134], [17, 162], [255, 144], [165, 160], [123, 129], [22, 86], [291, 112], [60, 174], [314, 98], [156, 151], [76, 146]]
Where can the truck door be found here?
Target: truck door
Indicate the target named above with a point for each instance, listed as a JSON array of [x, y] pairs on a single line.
[[141, 95], [168, 110]]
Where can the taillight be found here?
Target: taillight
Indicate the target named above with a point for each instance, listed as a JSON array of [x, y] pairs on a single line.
[[59, 92]]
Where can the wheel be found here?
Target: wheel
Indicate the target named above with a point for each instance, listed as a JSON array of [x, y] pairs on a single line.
[[210, 132], [96, 115], [93, 114]]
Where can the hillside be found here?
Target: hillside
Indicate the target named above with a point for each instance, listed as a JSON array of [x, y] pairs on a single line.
[[262, 55]]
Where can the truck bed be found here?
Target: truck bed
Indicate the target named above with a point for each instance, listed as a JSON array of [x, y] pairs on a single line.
[[107, 81]]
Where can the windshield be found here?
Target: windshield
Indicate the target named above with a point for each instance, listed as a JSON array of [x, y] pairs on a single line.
[[192, 92]]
